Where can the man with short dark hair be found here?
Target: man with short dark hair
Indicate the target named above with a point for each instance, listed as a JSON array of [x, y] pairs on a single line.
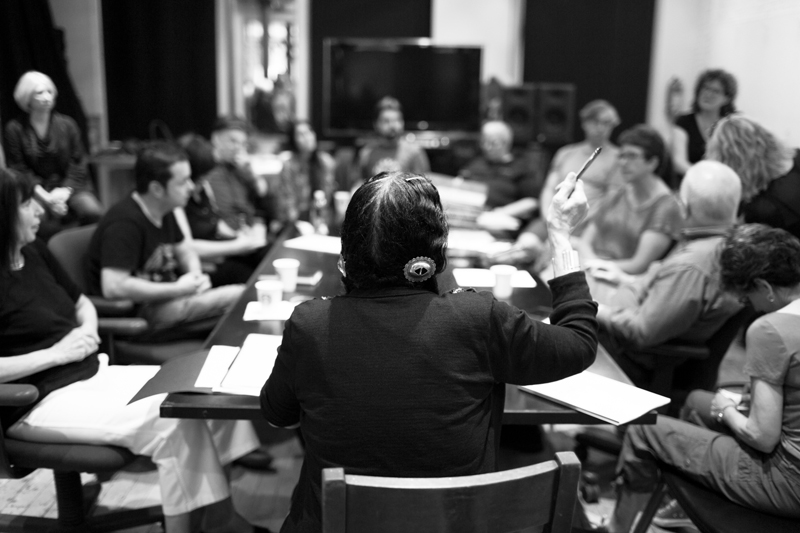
[[138, 251], [238, 193], [390, 152]]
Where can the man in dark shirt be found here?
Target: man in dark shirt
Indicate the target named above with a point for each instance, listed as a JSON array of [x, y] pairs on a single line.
[[138, 251]]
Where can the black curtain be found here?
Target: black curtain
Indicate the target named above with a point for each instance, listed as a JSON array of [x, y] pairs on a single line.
[[160, 60], [360, 19], [28, 41], [602, 46]]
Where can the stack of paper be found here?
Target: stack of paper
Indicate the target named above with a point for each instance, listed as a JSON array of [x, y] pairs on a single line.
[[240, 371], [316, 243], [604, 398], [482, 277], [278, 311]]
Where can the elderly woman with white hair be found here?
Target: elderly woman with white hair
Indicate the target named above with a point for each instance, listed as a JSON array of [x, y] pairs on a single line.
[[47, 146]]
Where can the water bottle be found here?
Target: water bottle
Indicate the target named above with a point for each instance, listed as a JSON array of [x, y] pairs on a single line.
[[318, 209]]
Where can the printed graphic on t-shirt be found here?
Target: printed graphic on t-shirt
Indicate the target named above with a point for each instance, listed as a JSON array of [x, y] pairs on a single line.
[[161, 265]]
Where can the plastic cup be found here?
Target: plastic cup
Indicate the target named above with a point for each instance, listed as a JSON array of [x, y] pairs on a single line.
[[287, 268], [341, 199], [269, 291], [502, 280]]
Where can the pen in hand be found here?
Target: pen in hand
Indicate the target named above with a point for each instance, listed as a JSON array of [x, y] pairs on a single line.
[[586, 165]]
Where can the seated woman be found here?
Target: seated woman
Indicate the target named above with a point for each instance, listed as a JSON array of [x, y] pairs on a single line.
[[236, 253], [50, 340], [714, 95], [769, 170], [306, 183], [394, 378], [47, 146], [635, 224], [752, 458]]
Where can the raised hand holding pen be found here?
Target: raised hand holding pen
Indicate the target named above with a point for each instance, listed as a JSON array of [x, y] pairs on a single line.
[[569, 206]]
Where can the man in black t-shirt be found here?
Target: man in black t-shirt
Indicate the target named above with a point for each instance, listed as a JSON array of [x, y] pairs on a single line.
[[138, 251]]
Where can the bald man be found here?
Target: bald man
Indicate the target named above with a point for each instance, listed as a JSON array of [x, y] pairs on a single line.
[[679, 297], [513, 182]]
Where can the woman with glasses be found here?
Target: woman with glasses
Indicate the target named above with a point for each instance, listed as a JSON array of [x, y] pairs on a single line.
[[714, 95], [769, 170], [394, 378], [635, 224], [751, 454]]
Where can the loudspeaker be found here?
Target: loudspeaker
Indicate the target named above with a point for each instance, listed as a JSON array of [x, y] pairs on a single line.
[[519, 112], [555, 113]]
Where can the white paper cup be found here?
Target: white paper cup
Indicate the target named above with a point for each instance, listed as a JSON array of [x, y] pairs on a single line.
[[287, 268], [502, 280], [341, 199], [269, 291]]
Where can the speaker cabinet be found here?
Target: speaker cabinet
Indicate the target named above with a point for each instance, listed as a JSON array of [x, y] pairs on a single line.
[[542, 112], [555, 114], [519, 112]]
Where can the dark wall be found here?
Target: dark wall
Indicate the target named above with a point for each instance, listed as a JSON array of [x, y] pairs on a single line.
[[602, 46], [160, 61], [28, 41], [360, 19]]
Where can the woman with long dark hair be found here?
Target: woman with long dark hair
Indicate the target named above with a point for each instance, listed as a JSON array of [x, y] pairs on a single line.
[[396, 379]]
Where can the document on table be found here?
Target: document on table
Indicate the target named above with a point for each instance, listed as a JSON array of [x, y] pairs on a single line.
[[316, 243], [482, 277], [279, 311], [607, 399], [232, 370]]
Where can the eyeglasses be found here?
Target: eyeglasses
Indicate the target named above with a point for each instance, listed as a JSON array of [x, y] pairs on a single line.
[[713, 90], [628, 156]]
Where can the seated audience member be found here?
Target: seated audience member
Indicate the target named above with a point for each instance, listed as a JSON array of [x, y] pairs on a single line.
[[750, 456], [235, 253], [50, 341], [305, 173], [770, 171], [635, 224], [598, 120], [395, 379], [389, 151], [680, 297], [47, 146], [714, 95], [239, 195], [513, 186], [139, 253]]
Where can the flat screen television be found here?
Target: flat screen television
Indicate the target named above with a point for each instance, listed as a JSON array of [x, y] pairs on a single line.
[[439, 87]]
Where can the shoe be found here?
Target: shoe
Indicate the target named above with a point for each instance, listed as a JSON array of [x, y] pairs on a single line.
[[672, 515], [259, 459]]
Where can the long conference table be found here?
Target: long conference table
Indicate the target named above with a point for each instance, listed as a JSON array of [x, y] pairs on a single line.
[[521, 408]]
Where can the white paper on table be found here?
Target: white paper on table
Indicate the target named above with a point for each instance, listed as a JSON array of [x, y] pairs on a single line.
[[482, 277], [316, 243], [479, 241], [279, 311], [218, 361], [252, 366], [607, 399]]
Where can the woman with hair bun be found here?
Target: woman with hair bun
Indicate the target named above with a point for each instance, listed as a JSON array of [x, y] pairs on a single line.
[[46, 145], [394, 378], [769, 170]]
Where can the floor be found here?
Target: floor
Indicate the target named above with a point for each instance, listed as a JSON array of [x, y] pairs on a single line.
[[263, 498]]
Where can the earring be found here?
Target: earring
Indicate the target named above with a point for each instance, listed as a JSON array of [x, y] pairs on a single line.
[[771, 298], [340, 265]]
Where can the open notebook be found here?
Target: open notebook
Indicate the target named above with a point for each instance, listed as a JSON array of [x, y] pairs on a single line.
[[242, 370], [604, 398]]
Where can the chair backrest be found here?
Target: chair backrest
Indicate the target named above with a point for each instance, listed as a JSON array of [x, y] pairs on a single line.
[[520, 500], [70, 248]]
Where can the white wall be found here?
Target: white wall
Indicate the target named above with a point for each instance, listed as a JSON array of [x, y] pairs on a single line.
[[83, 34], [495, 25], [756, 40]]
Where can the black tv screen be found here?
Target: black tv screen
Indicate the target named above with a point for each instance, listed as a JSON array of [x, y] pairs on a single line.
[[438, 86]]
